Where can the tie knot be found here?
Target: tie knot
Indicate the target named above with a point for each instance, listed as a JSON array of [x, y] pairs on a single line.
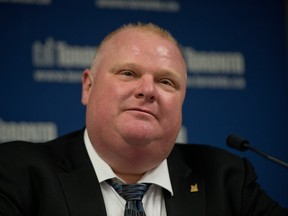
[[130, 191], [133, 191]]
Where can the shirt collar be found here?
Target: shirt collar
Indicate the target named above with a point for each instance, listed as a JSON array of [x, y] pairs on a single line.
[[158, 176]]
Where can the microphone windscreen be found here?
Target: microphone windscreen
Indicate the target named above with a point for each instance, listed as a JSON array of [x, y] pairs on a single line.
[[237, 142]]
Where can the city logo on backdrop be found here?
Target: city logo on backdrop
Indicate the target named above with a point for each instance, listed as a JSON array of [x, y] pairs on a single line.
[[214, 69], [29, 131], [150, 5], [29, 2], [59, 62]]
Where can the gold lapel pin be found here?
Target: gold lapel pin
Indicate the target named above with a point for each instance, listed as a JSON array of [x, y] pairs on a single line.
[[194, 188]]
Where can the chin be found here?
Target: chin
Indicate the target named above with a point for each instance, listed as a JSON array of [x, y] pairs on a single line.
[[140, 130], [138, 140]]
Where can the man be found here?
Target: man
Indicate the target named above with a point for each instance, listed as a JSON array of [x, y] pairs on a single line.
[[134, 93]]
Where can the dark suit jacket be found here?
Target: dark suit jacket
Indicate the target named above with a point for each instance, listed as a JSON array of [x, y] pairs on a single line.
[[57, 179]]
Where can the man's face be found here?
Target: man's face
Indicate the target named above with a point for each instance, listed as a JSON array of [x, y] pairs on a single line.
[[135, 100]]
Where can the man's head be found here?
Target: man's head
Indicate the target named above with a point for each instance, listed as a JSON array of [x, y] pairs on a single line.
[[134, 94]]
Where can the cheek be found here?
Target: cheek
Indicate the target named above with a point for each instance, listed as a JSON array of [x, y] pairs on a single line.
[[105, 98], [98, 100], [172, 107]]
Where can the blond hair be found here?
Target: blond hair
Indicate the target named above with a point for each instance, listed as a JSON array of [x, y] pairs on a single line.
[[147, 27]]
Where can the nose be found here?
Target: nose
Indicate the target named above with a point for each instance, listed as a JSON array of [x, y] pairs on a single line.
[[146, 89]]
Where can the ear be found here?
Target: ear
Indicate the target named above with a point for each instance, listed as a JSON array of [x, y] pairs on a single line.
[[87, 82]]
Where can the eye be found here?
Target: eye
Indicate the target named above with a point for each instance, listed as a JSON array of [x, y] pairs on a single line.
[[167, 82], [127, 73]]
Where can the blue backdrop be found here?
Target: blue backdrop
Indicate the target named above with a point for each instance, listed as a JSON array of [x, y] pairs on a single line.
[[235, 52]]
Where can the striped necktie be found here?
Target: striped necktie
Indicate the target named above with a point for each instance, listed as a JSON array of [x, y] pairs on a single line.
[[133, 194]]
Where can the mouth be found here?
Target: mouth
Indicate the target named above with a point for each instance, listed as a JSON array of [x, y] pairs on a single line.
[[144, 111]]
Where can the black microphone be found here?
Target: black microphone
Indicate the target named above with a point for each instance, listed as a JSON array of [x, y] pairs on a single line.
[[242, 144]]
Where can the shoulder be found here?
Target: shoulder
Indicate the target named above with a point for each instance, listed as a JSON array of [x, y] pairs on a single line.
[[28, 152], [208, 157], [202, 151]]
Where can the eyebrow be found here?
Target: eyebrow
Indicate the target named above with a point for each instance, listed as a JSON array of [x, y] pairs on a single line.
[[132, 65], [125, 65]]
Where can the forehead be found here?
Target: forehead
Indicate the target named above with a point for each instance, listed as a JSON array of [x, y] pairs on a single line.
[[145, 44]]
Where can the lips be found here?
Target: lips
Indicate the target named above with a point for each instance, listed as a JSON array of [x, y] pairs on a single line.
[[137, 109]]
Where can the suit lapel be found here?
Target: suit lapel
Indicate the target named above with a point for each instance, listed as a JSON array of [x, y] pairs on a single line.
[[83, 193], [189, 190], [79, 181]]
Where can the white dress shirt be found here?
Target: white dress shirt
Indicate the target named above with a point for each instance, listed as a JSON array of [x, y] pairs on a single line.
[[153, 200]]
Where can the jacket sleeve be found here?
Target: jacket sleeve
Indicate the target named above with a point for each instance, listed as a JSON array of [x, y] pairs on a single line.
[[254, 200], [10, 204]]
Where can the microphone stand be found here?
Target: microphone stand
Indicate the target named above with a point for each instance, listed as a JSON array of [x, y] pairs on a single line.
[[241, 144], [267, 156]]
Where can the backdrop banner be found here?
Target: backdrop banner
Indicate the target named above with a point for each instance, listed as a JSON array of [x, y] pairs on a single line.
[[235, 53]]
